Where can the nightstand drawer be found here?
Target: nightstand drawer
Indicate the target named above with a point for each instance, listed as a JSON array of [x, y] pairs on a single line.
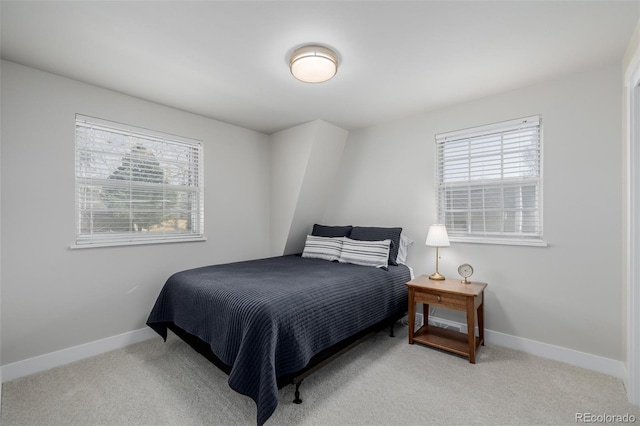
[[441, 299]]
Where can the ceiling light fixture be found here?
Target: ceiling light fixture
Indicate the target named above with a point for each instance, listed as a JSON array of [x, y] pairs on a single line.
[[313, 64]]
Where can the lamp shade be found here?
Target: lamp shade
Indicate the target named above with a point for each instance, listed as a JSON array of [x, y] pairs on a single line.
[[313, 64], [437, 236]]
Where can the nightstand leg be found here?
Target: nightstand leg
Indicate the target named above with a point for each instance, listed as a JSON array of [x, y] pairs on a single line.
[[481, 322], [471, 329], [412, 315], [425, 314]]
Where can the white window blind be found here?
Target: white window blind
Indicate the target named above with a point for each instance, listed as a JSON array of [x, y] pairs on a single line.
[[136, 186], [489, 182]]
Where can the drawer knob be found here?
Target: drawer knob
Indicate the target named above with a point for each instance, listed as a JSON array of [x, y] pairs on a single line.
[[437, 297]]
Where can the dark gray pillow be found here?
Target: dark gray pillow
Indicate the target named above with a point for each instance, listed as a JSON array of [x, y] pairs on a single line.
[[372, 233], [331, 231]]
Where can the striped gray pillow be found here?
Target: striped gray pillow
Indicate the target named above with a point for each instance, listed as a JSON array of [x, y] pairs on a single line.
[[375, 233], [366, 253], [325, 248]]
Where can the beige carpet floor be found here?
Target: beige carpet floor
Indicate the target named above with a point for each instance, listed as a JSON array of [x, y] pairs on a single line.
[[384, 381]]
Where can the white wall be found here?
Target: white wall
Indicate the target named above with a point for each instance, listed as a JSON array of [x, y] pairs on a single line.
[[290, 150], [304, 164], [319, 182], [55, 298], [0, 248], [568, 294], [631, 239]]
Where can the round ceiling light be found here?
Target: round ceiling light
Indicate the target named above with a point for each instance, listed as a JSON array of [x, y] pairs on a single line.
[[313, 64]]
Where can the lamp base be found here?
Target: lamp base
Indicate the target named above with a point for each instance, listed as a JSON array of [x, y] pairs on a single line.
[[436, 276]]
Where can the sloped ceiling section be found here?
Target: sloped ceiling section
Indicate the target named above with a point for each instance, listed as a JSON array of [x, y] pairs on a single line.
[[304, 165]]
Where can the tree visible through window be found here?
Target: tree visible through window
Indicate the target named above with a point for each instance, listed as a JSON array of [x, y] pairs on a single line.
[[136, 185], [489, 182]]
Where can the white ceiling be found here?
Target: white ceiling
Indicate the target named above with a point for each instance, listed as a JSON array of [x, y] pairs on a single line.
[[229, 60]]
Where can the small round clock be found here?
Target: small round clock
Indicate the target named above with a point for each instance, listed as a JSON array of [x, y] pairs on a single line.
[[465, 270]]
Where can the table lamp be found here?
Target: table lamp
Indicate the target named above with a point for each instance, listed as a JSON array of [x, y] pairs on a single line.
[[437, 237]]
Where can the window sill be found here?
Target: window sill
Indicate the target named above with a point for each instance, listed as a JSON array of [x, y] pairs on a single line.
[[498, 241], [136, 243]]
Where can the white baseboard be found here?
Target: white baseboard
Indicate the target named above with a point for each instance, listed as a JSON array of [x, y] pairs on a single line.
[[65, 356], [592, 362], [76, 353]]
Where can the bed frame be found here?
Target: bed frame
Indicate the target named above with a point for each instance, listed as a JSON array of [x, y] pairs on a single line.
[[318, 361]]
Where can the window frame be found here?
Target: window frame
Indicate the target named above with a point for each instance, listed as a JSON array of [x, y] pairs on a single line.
[[137, 140], [471, 184]]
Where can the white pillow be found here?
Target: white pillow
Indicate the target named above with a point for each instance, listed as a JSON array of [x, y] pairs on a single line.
[[366, 253], [325, 248], [403, 250]]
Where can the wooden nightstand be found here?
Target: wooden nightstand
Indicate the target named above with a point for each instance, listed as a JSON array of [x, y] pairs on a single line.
[[451, 294]]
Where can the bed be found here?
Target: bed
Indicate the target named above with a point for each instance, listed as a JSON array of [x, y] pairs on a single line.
[[267, 321]]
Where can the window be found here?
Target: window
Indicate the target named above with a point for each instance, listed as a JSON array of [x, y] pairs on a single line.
[[136, 186], [489, 182]]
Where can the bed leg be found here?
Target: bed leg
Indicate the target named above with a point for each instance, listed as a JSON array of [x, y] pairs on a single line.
[[297, 400], [391, 330]]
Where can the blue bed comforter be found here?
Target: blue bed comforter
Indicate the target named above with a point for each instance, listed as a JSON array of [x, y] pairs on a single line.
[[267, 318]]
